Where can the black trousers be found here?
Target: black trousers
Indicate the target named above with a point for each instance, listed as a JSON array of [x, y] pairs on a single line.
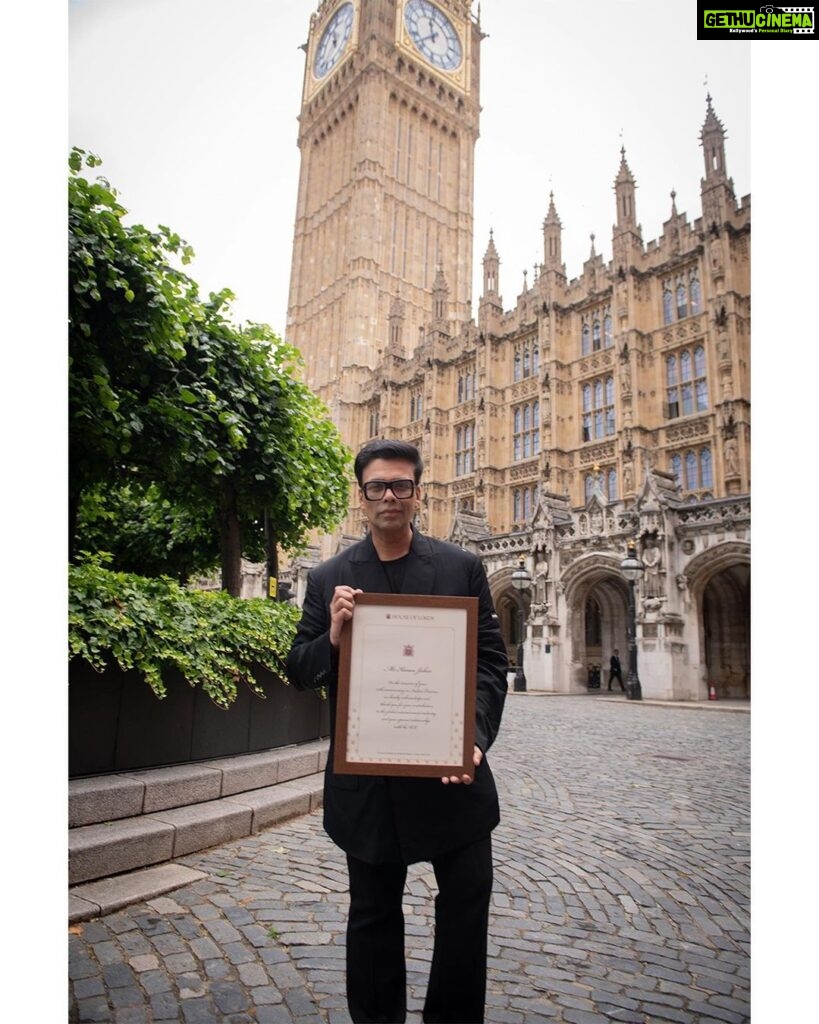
[[376, 964]]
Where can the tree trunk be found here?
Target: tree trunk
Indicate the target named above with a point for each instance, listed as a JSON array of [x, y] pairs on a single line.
[[230, 539], [271, 558]]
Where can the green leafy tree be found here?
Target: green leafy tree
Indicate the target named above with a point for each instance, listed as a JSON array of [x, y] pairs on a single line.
[[166, 392], [146, 533]]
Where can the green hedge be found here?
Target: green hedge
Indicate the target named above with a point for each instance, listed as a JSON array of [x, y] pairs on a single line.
[[213, 639]]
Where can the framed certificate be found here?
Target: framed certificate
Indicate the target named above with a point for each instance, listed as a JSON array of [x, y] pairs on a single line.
[[406, 686]]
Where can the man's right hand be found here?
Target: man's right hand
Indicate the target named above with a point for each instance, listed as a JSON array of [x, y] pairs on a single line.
[[341, 609]]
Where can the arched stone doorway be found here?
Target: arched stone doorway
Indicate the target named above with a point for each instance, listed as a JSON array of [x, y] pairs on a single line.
[[597, 607], [720, 583], [726, 628], [507, 607]]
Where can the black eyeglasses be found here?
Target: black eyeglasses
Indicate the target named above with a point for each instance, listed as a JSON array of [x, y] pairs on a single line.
[[374, 490]]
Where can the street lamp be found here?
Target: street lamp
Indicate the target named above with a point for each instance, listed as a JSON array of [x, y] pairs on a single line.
[[632, 568], [520, 581]]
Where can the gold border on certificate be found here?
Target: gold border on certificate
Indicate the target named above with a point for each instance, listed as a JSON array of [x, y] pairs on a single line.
[[406, 686]]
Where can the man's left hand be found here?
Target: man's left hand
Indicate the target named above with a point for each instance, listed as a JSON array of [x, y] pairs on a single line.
[[477, 757]]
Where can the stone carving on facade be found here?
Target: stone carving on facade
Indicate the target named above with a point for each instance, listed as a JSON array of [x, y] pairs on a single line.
[[628, 476], [654, 578], [723, 346], [717, 259], [731, 455]]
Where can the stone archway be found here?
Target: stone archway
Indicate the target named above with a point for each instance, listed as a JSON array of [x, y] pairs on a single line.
[[597, 618], [507, 608], [720, 583], [726, 628]]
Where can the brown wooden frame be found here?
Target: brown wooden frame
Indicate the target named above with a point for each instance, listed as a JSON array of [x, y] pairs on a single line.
[[341, 762]]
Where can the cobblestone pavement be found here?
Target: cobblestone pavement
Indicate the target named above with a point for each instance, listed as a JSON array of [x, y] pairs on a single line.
[[621, 892]]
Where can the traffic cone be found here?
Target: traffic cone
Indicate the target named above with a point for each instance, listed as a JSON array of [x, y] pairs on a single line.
[[712, 692]]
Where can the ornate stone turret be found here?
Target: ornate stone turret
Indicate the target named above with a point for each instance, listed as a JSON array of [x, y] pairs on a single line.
[[716, 188], [627, 238], [491, 268], [490, 307], [552, 231]]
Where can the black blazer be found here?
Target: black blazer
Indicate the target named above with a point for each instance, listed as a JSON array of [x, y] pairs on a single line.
[[391, 820]]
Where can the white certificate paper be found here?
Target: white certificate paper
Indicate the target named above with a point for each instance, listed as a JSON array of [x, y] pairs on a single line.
[[407, 686]]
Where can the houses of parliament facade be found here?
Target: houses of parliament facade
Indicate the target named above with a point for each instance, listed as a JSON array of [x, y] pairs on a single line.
[[597, 412]]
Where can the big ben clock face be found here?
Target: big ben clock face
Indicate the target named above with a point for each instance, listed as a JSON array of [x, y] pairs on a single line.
[[333, 40], [433, 34]]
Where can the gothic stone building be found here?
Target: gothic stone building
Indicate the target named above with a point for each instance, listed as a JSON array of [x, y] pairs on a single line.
[[599, 411]]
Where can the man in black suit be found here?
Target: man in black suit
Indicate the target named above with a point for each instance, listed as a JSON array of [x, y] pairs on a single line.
[[385, 823], [615, 671]]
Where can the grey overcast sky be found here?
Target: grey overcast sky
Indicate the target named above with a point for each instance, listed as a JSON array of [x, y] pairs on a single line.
[[192, 105]]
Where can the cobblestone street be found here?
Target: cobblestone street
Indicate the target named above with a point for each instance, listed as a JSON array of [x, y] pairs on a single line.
[[622, 891]]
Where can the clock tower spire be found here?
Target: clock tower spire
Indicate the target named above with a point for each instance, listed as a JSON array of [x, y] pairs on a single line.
[[387, 133]]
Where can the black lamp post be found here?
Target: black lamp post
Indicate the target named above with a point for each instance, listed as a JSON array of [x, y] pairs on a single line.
[[632, 568], [520, 581]]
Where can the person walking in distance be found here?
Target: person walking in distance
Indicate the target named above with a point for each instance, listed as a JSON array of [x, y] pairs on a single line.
[[385, 823], [616, 671]]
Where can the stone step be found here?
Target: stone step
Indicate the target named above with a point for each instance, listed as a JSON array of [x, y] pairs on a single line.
[[105, 798], [132, 820]]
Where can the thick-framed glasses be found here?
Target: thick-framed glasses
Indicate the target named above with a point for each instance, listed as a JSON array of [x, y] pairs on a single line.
[[374, 490]]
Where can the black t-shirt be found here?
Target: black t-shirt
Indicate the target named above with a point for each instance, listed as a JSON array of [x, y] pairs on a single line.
[[395, 571]]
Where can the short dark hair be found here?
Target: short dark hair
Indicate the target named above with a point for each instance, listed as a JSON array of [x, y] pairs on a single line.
[[381, 449]]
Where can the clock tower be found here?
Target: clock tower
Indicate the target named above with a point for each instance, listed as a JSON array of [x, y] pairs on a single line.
[[387, 133]]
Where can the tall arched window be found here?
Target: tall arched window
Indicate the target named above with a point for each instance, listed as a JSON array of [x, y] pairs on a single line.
[[526, 430], [694, 471], [464, 449], [608, 340], [687, 387], [527, 504], [691, 472], [706, 468], [596, 336], [588, 486], [585, 345], [535, 359], [686, 383], [682, 310], [598, 408], [700, 382], [517, 370], [695, 293], [516, 506], [587, 404], [611, 482], [668, 309]]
